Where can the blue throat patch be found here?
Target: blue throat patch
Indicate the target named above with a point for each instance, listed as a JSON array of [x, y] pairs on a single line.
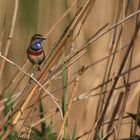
[[36, 45]]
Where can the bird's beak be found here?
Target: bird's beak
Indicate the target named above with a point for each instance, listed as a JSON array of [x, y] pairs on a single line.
[[44, 38]]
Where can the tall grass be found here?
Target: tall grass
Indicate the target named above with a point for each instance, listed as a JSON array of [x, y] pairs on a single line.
[[88, 86]]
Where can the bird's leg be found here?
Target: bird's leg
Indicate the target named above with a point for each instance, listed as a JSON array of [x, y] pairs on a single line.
[[33, 73], [38, 68]]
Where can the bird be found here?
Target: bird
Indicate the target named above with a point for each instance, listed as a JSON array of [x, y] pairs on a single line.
[[35, 52]]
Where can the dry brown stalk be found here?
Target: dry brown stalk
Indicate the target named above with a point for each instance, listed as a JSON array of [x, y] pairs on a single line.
[[17, 78], [44, 77], [43, 119], [44, 71], [72, 56], [17, 75], [89, 93], [107, 134], [119, 71], [8, 43], [94, 38], [112, 48], [108, 30], [19, 113], [69, 106], [61, 18]]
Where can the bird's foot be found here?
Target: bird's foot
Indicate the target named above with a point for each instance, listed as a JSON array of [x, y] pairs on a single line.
[[30, 80], [39, 69]]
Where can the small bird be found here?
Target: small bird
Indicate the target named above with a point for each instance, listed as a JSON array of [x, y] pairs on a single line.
[[35, 50]]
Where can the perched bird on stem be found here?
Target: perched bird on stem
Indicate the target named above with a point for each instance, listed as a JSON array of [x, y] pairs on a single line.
[[35, 50]]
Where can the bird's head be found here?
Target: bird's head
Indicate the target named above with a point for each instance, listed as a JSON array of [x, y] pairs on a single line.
[[36, 41]]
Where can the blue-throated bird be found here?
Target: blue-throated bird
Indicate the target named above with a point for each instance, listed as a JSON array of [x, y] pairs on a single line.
[[35, 50]]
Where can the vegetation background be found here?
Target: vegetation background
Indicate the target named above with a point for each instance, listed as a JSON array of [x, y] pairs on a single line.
[[36, 16]]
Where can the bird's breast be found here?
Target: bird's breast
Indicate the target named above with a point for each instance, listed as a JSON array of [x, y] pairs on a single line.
[[36, 57], [34, 53]]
